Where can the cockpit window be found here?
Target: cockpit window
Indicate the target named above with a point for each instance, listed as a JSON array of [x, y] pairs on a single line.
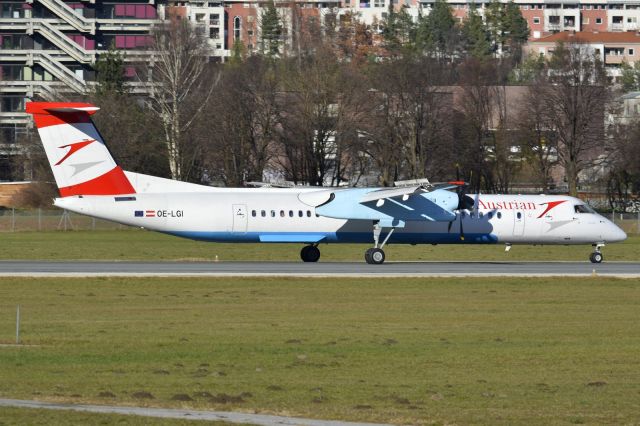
[[583, 208]]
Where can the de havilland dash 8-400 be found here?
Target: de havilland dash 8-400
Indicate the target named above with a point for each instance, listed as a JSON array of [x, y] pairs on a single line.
[[91, 183]]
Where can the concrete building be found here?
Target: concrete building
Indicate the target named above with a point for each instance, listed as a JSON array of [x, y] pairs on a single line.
[[613, 48], [49, 49]]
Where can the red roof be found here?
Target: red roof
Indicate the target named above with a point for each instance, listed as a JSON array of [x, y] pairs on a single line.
[[590, 37]]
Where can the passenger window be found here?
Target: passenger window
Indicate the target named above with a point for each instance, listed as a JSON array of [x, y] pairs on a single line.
[[290, 213], [490, 215], [281, 213], [499, 215], [253, 213], [308, 213], [519, 215], [462, 214], [300, 214], [263, 213], [480, 214], [273, 213]]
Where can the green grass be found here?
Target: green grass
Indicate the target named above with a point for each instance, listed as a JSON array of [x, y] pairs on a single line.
[[143, 245], [411, 351]]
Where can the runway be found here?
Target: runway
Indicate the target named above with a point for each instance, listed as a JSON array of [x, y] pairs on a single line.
[[320, 269]]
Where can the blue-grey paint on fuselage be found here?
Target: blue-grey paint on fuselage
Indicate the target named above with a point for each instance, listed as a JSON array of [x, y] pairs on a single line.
[[338, 237]]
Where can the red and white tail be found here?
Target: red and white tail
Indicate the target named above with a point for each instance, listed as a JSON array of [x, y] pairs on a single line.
[[81, 163]]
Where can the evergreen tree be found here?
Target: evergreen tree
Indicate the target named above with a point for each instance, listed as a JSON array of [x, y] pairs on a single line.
[[110, 72], [514, 28], [238, 52], [630, 78], [475, 35], [271, 30], [398, 30], [495, 24], [436, 30]]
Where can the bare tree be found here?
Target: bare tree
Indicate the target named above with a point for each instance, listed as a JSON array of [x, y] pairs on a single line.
[[243, 121], [413, 118], [309, 117], [183, 81], [538, 136], [574, 94]]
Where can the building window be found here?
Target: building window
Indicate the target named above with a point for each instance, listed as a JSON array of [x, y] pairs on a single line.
[[585, 21], [536, 20], [598, 21], [631, 52], [237, 26]]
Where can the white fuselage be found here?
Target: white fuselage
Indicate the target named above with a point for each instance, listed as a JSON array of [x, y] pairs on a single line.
[[279, 215]]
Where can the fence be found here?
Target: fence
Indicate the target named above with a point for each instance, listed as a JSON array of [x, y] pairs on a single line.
[[15, 220]]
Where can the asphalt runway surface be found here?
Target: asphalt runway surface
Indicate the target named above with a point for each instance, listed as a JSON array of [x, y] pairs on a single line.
[[168, 413], [320, 269]]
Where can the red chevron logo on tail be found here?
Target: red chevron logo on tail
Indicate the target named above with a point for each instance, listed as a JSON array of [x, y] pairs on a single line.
[[550, 205], [73, 148]]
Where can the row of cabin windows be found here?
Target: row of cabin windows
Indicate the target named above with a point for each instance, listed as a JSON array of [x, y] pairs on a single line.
[[283, 213], [489, 215]]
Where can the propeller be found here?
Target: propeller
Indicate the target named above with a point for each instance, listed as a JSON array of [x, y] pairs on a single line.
[[465, 202]]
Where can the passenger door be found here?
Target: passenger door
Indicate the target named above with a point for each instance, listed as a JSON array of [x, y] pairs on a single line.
[[518, 223], [239, 218]]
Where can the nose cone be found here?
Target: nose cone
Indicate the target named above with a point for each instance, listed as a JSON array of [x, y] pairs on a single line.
[[615, 234]]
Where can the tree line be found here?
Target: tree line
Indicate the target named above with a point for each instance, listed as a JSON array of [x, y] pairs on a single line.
[[343, 103]]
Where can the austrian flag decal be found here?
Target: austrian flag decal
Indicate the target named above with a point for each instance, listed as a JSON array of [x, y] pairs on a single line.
[[144, 213]]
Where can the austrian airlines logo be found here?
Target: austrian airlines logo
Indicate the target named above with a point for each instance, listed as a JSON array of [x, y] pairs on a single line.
[[550, 205], [73, 148]]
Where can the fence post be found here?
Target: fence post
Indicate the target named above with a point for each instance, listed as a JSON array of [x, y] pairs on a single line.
[[13, 219], [39, 219], [18, 325]]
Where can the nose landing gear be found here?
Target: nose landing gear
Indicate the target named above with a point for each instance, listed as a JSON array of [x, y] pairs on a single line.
[[596, 256], [310, 253]]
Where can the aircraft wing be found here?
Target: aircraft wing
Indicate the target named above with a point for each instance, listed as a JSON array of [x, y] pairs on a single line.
[[392, 206], [405, 192]]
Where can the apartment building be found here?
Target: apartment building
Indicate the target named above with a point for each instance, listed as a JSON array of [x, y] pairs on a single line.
[[613, 48]]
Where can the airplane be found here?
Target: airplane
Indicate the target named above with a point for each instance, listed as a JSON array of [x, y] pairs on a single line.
[[91, 183]]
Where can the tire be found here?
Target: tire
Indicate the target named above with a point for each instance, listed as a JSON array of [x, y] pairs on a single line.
[[310, 254], [367, 256], [596, 257]]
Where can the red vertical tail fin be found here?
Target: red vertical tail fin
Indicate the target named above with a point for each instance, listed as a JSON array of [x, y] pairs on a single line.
[[81, 163]]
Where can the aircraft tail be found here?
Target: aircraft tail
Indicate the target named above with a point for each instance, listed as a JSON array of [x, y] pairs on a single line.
[[81, 163]]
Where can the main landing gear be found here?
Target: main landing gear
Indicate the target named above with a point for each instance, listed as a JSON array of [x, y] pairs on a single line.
[[310, 253], [375, 255], [596, 256]]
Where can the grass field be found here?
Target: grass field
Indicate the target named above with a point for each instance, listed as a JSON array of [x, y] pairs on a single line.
[[143, 245], [412, 351]]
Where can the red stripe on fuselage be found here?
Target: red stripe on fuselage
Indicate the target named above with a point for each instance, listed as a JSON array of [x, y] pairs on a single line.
[[113, 182]]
